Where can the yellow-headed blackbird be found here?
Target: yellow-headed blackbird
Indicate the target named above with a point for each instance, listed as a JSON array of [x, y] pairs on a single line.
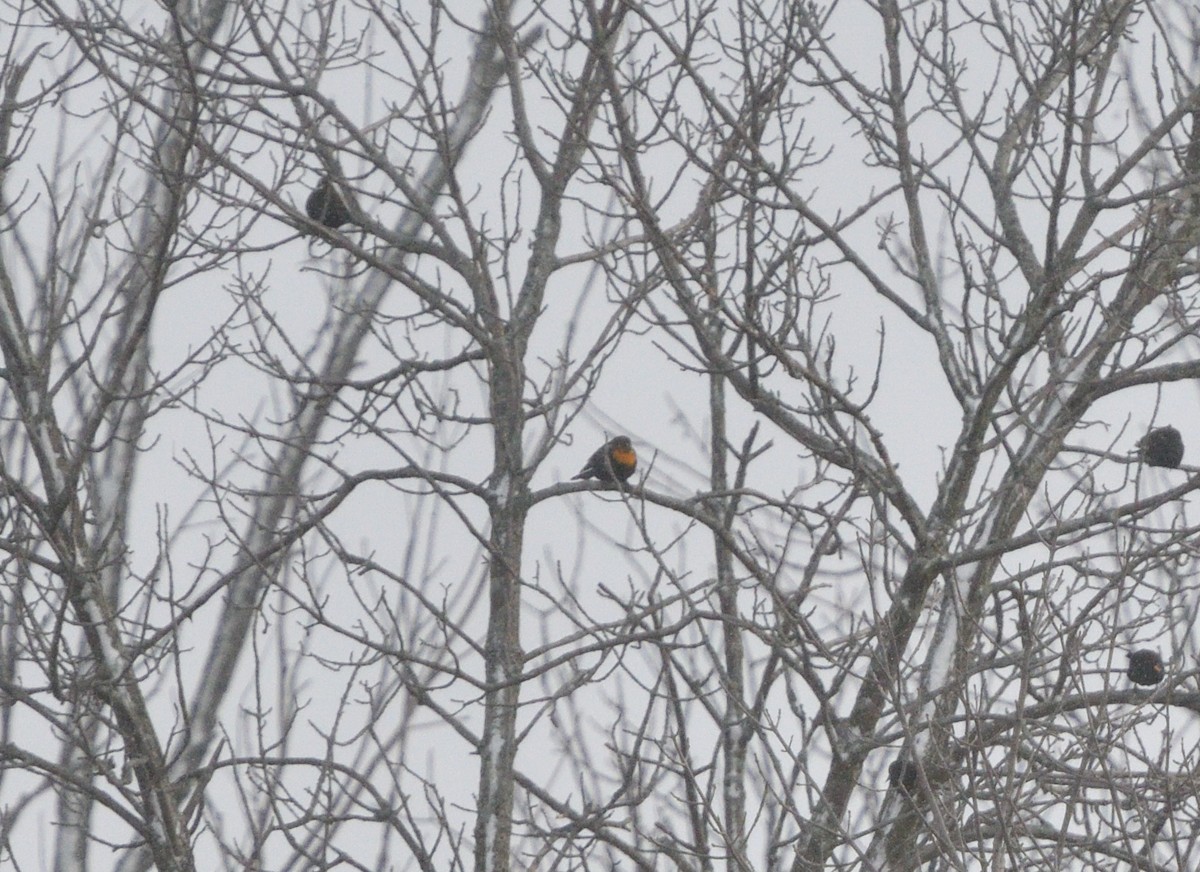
[[903, 774], [1162, 446], [1145, 667], [327, 205], [614, 461]]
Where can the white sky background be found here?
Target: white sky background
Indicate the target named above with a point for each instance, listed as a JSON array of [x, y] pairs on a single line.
[[641, 392]]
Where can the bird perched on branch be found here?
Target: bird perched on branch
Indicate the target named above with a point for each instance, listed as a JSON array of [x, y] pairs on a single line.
[[614, 461], [1162, 446], [327, 205], [1145, 667], [903, 774]]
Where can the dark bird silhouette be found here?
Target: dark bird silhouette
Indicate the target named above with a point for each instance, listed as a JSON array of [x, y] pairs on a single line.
[[1145, 667], [613, 461], [1162, 446], [327, 205], [903, 774]]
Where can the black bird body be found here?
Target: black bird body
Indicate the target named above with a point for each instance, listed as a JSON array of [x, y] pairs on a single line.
[[1162, 446], [613, 461], [903, 774], [1145, 667], [327, 205]]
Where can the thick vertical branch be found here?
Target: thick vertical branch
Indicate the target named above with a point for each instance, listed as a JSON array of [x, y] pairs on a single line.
[[502, 649], [510, 478], [734, 727]]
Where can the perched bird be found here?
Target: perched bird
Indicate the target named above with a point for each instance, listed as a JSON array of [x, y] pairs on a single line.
[[903, 774], [327, 205], [1162, 446], [1145, 667], [614, 461]]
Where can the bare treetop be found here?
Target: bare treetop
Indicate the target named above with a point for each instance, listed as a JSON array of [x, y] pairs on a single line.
[[598, 435]]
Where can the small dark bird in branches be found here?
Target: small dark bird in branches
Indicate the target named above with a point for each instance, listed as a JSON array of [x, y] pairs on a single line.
[[327, 205], [903, 774], [1145, 667], [613, 461], [1162, 446]]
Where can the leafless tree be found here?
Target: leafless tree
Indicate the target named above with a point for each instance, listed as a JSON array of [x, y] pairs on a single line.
[[309, 312]]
